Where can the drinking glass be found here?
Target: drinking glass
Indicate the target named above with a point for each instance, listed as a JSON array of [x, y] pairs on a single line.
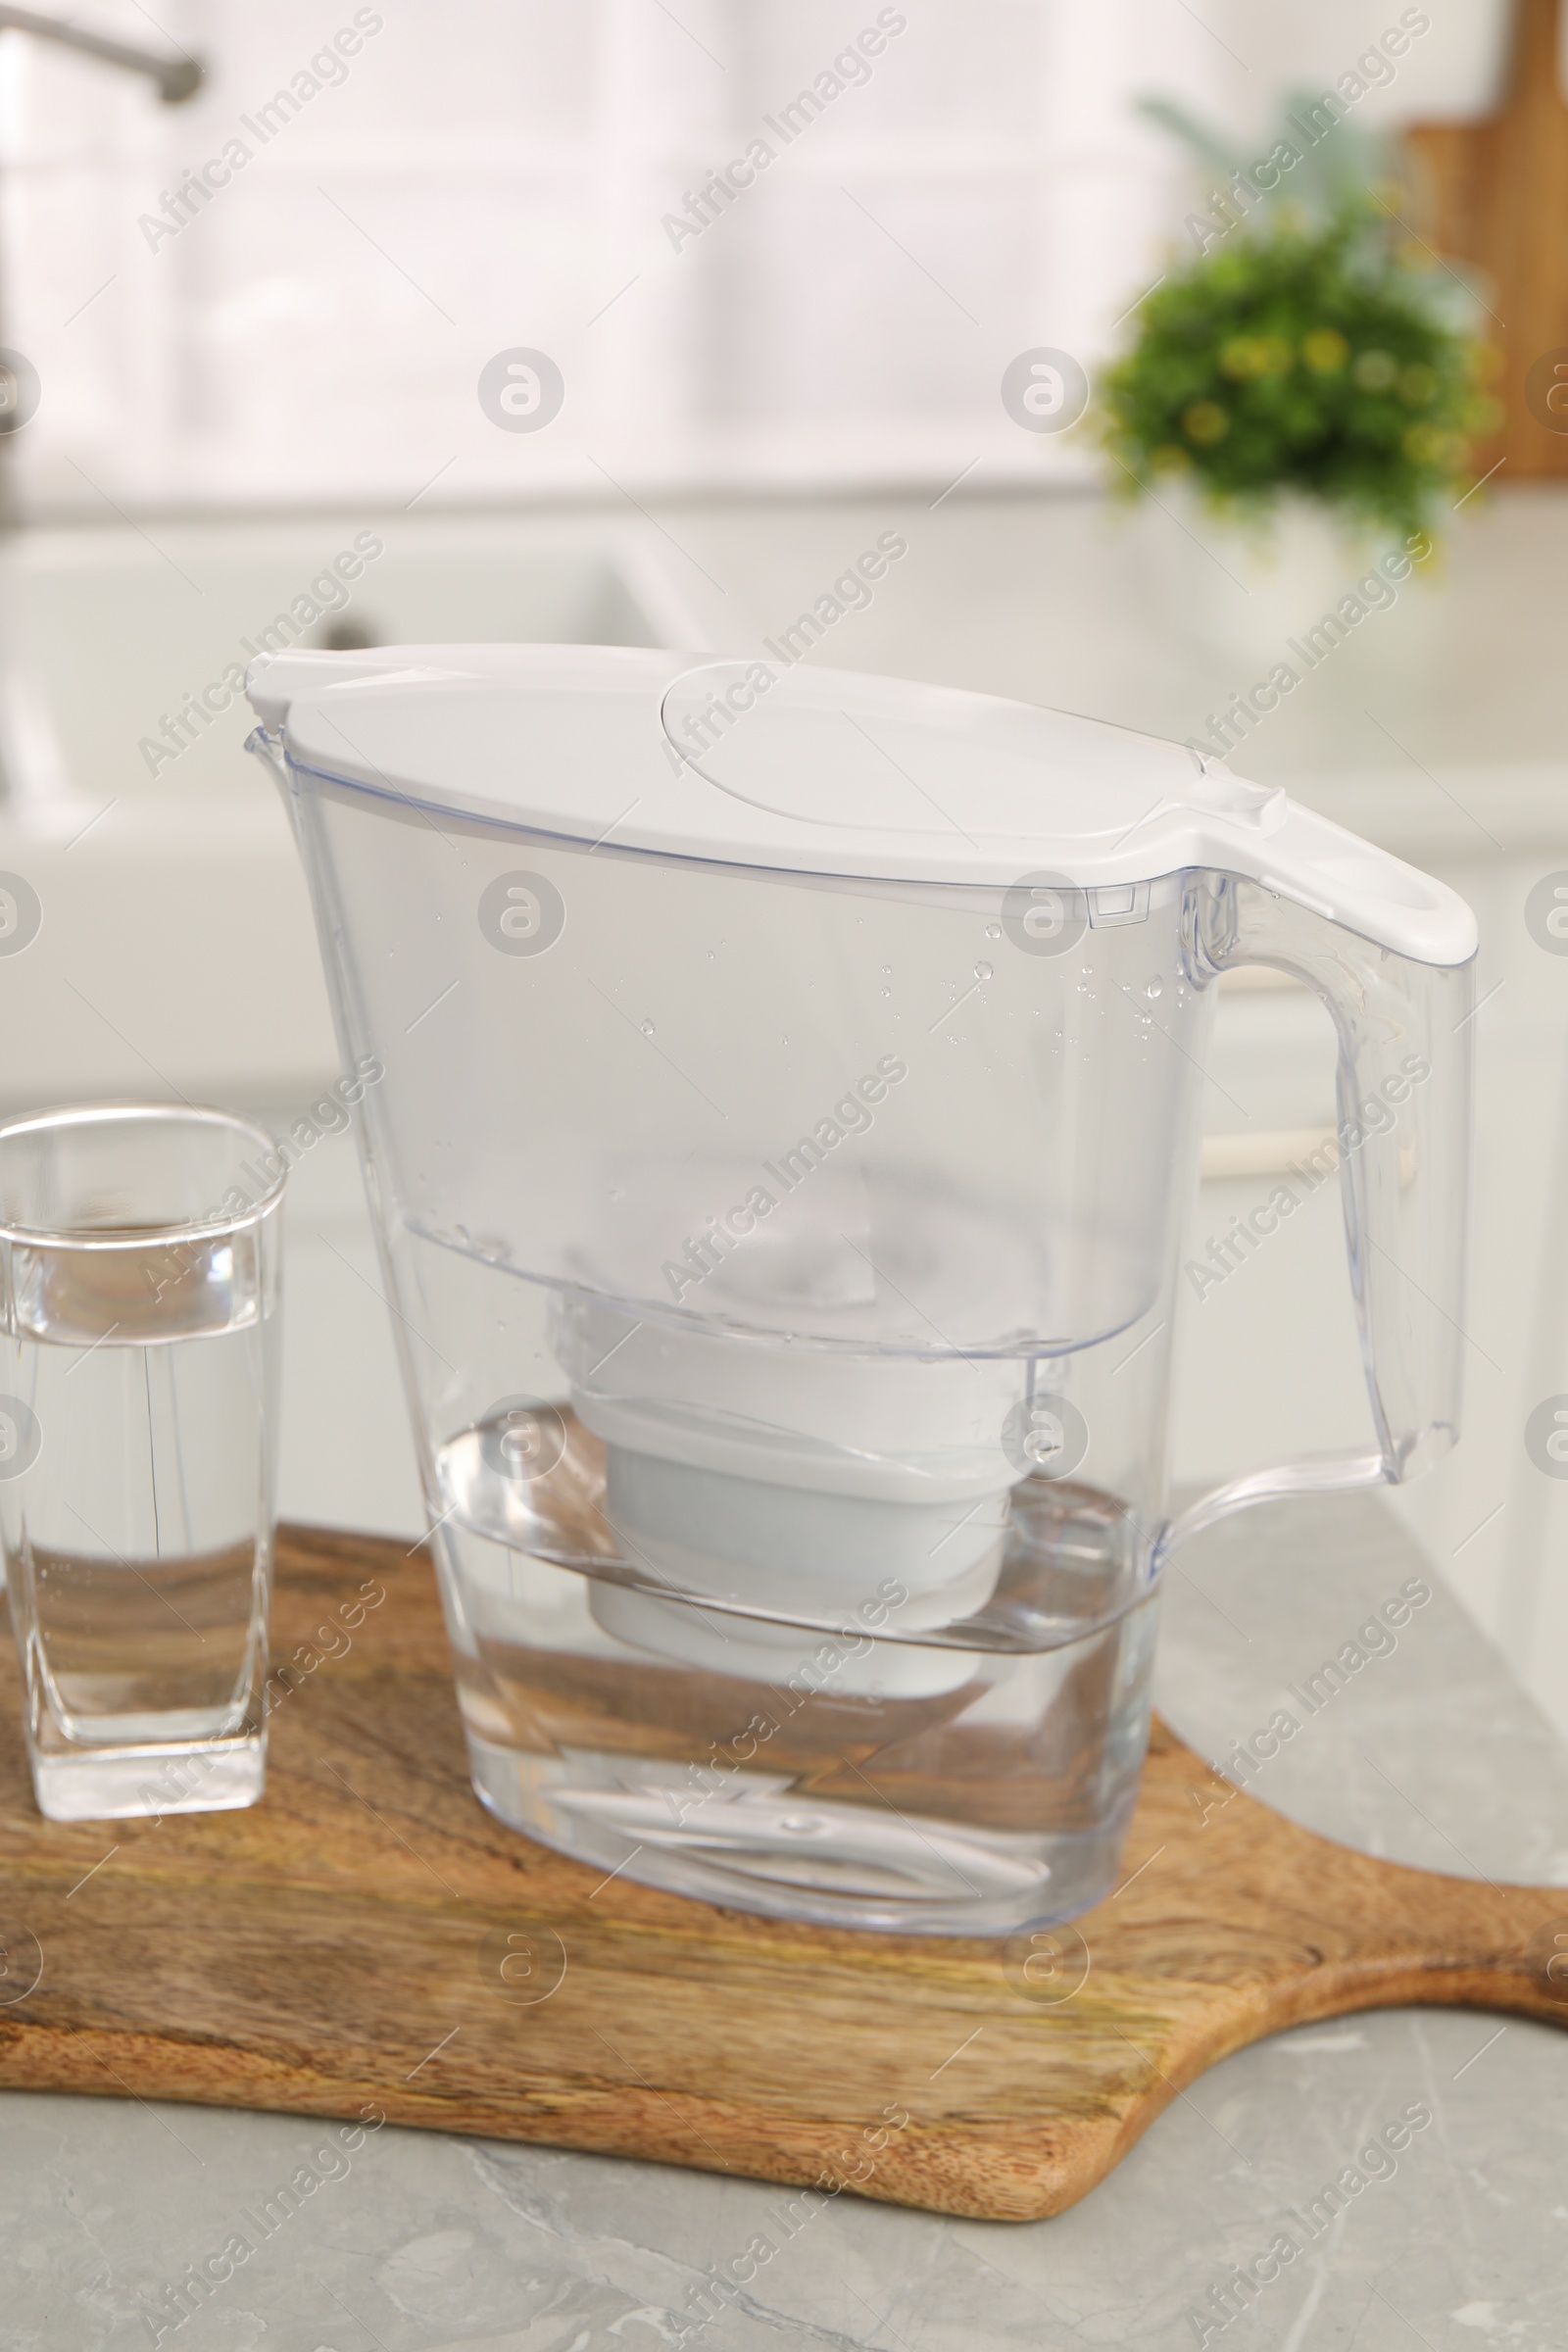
[[139, 1280]]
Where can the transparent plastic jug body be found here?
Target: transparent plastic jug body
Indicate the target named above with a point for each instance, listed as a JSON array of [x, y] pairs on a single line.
[[783, 1267]]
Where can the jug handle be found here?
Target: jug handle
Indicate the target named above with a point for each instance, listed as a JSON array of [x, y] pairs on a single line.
[[1401, 1140]]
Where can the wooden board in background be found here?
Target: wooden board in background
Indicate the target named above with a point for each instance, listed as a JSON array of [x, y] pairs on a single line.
[[1496, 195]]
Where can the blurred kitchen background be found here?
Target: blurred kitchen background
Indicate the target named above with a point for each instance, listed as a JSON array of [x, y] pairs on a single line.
[[259, 319]]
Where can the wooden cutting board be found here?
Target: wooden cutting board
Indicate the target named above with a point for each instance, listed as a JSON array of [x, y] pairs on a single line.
[[366, 1937]]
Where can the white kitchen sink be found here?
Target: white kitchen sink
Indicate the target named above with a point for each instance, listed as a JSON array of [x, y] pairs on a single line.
[[176, 953], [177, 943], [109, 634]]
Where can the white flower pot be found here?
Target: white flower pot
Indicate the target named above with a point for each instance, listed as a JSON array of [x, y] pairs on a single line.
[[1243, 590]]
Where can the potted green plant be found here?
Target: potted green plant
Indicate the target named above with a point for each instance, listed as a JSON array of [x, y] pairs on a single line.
[[1304, 385]]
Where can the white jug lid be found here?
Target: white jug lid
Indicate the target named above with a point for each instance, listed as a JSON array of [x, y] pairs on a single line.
[[817, 770]]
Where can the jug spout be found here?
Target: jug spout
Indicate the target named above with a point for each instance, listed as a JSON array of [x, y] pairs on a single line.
[[267, 748]]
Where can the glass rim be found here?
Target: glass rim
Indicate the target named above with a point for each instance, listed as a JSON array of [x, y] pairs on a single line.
[[204, 1227]]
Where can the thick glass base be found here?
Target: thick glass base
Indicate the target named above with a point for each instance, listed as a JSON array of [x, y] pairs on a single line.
[[145, 1781], [763, 1845]]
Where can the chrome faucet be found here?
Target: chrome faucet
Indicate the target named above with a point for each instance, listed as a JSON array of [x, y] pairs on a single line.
[[178, 77]]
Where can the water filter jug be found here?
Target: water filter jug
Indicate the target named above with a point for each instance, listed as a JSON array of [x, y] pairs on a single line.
[[789, 1120]]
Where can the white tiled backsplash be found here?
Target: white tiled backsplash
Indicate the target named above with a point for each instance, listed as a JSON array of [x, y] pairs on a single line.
[[387, 196]]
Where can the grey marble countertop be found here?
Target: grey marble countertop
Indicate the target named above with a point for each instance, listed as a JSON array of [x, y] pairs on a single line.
[[1083, 605], [415, 2241]]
